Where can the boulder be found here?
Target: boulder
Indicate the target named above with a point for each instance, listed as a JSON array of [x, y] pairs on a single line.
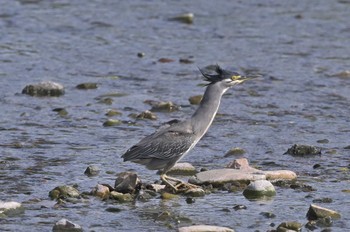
[[44, 89], [316, 212], [10, 208], [64, 225], [258, 189], [205, 228], [126, 182]]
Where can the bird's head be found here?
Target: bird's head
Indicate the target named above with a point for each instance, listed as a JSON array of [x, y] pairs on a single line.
[[226, 78]]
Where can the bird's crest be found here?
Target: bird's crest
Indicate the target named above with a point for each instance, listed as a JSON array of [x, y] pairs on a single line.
[[212, 78]]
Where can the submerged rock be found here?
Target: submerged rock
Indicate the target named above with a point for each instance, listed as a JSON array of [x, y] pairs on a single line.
[[162, 106], [195, 100], [63, 191], [44, 89], [10, 208], [182, 169], [111, 122], [64, 225], [289, 226], [183, 18], [147, 115], [258, 189], [92, 170], [235, 152], [205, 228], [303, 150], [87, 85], [121, 197], [316, 212], [113, 112], [126, 182]]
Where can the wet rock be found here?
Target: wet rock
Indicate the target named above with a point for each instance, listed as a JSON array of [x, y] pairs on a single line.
[[289, 226], [205, 228], [195, 100], [182, 169], [183, 18], [126, 182], [195, 192], [239, 207], [112, 122], [268, 214], [44, 89], [343, 74], [92, 170], [258, 189], [162, 106], [168, 196], [10, 209], [64, 225], [101, 191], [145, 195], [235, 152], [241, 163], [63, 191], [219, 177], [113, 112], [186, 61], [322, 141], [316, 212], [322, 200], [88, 85], [280, 175], [121, 197], [147, 115], [61, 111], [303, 150], [165, 60], [107, 101], [141, 54]]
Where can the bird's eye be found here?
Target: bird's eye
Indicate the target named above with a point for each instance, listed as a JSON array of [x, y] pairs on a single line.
[[235, 77]]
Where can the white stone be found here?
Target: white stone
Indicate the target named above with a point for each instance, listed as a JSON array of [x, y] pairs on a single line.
[[205, 228]]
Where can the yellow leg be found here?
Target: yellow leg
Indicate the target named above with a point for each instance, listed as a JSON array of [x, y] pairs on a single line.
[[179, 184]]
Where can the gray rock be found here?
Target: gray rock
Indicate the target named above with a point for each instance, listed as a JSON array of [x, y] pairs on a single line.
[[258, 189], [236, 151], [303, 150], [87, 85], [195, 192], [44, 89], [101, 191], [121, 197], [182, 169], [147, 115], [289, 226], [111, 122], [219, 177], [316, 212], [92, 170], [64, 225], [63, 191], [10, 208], [162, 106], [205, 228], [126, 182]]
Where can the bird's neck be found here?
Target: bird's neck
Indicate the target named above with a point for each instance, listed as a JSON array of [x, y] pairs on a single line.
[[204, 115]]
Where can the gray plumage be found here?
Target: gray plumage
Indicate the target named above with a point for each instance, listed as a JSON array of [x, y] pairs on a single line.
[[162, 149]]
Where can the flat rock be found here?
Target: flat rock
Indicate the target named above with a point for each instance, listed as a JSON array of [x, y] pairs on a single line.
[[64, 225], [10, 208], [218, 177], [316, 212], [183, 169], [44, 89], [205, 228]]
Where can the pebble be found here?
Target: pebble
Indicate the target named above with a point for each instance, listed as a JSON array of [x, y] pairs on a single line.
[[44, 89], [126, 182], [10, 208], [64, 225], [258, 189], [205, 228], [316, 212]]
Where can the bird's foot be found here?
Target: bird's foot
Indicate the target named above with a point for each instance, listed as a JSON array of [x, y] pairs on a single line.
[[178, 186]]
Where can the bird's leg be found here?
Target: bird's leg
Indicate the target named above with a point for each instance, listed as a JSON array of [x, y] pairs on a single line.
[[164, 178], [180, 184]]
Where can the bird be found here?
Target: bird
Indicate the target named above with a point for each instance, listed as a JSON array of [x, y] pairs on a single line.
[[162, 149]]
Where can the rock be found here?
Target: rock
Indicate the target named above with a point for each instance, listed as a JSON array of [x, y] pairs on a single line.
[[183, 18], [147, 115], [258, 189], [205, 228], [280, 175], [112, 122], [64, 225], [126, 182], [165, 60], [141, 54], [112, 112], [101, 191], [10, 209], [44, 89], [289, 226], [61, 111], [241, 163], [168, 196], [121, 197], [195, 100], [145, 195], [186, 60], [235, 152], [219, 177], [316, 212], [239, 207], [162, 106], [156, 187], [63, 191], [92, 170], [343, 74], [88, 85], [182, 169], [195, 192], [303, 150], [268, 214]]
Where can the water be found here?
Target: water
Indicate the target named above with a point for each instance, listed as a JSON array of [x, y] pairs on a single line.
[[295, 45]]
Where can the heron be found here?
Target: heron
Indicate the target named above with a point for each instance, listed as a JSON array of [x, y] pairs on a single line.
[[165, 147]]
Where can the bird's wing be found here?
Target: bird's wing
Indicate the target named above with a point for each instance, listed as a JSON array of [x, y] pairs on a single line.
[[163, 144]]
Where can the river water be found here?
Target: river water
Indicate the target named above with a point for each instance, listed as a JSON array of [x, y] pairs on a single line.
[[299, 48]]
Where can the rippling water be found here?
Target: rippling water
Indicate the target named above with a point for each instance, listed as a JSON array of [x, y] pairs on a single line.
[[297, 46]]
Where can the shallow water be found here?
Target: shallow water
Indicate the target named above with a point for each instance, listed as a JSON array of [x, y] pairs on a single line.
[[296, 45]]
